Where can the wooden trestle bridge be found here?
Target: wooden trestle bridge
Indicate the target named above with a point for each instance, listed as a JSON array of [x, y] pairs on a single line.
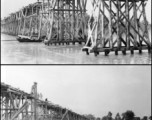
[[114, 25], [19, 105], [56, 21], [117, 25]]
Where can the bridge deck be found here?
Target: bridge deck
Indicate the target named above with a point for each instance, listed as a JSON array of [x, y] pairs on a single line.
[[14, 94]]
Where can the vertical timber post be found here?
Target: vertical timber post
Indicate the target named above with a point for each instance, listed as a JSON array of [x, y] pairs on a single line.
[[6, 111], [135, 22], [35, 101], [73, 20], [110, 26], [127, 25], [102, 25], [118, 31], [1, 105]]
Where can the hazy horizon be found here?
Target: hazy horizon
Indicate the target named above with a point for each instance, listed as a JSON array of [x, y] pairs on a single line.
[[87, 89], [13, 7]]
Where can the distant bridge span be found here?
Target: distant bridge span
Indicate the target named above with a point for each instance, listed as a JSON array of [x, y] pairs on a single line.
[[19, 105]]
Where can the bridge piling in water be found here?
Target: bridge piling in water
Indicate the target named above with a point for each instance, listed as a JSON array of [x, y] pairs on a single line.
[[56, 21], [67, 23], [117, 25], [114, 25]]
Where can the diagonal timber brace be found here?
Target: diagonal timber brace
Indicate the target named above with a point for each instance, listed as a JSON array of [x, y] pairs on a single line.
[[121, 20], [17, 104]]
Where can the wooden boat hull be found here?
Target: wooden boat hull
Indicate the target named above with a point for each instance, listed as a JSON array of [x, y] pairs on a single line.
[[28, 40], [22, 39]]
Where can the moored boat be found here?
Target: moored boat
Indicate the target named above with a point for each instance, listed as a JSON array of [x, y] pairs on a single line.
[[22, 38]]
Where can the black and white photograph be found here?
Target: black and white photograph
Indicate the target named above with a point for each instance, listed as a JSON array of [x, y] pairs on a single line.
[[76, 32], [75, 60], [76, 93]]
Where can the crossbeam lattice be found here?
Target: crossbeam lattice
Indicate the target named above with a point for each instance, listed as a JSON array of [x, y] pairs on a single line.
[[24, 22], [117, 25], [19, 105], [64, 20]]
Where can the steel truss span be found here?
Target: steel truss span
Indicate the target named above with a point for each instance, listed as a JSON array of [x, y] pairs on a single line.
[[117, 25], [19, 105]]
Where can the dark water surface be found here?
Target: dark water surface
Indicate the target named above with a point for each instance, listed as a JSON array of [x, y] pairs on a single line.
[[13, 52]]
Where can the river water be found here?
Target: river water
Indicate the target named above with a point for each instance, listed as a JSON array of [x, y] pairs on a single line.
[[14, 52]]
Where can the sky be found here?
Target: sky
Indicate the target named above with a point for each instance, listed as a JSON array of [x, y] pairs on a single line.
[[9, 6], [87, 89]]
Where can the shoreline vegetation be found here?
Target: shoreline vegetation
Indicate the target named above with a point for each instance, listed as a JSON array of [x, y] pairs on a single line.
[[128, 115]]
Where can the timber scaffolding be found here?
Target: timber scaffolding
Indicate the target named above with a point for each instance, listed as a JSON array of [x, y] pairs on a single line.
[[19, 105], [114, 25], [66, 21], [117, 25], [23, 23], [56, 21]]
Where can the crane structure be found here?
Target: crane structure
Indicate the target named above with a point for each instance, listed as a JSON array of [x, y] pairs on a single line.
[[117, 25], [19, 105]]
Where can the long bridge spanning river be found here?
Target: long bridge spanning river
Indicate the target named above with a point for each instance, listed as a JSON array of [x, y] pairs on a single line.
[[114, 25], [19, 105]]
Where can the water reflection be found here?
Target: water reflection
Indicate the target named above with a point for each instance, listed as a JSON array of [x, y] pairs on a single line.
[[14, 52]]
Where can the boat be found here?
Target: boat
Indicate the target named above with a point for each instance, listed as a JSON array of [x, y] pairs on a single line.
[[22, 38]]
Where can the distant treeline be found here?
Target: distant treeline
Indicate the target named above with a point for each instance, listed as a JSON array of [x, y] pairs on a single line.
[[128, 115]]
